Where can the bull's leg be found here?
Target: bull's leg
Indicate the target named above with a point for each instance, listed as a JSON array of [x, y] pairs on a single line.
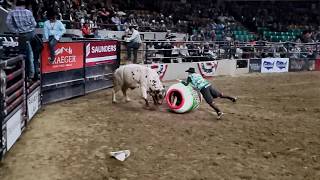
[[147, 103], [124, 91], [144, 95], [155, 101], [115, 89]]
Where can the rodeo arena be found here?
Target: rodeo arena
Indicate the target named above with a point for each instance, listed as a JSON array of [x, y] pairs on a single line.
[[163, 89]]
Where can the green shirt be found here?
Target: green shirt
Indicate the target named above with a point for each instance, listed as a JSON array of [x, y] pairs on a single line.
[[197, 81]]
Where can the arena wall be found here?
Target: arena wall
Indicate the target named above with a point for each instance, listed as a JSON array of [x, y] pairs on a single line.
[[226, 67], [231, 67]]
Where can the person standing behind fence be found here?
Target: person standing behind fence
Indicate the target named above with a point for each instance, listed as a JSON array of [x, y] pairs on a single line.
[[21, 21], [134, 42], [53, 30]]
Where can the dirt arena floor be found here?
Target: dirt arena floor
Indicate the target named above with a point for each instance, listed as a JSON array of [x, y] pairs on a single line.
[[273, 132]]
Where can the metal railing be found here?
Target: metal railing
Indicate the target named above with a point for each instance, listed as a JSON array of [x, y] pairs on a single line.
[[194, 51]]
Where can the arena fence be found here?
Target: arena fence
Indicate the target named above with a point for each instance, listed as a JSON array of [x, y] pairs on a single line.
[[195, 51], [19, 100], [12, 101], [80, 67], [172, 71], [171, 58]]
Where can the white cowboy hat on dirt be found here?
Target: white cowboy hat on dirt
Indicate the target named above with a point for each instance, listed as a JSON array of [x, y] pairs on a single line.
[[120, 155]]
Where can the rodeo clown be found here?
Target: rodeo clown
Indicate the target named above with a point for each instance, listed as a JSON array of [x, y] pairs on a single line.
[[208, 92]]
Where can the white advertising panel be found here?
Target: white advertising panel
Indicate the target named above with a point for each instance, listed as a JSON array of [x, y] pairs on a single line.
[[33, 103], [14, 128], [273, 65]]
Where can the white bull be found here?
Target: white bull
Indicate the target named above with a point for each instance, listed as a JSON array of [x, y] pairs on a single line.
[[133, 76]]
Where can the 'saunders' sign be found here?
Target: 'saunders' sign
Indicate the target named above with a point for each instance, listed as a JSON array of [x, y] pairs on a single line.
[[104, 52]]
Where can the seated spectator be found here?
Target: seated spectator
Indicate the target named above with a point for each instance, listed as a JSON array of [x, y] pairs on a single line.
[[183, 51], [53, 31], [192, 49], [86, 30], [238, 53], [103, 15], [203, 50], [116, 20], [167, 46], [175, 52], [96, 32]]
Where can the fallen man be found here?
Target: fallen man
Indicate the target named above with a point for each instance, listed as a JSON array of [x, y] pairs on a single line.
[[208, 92]]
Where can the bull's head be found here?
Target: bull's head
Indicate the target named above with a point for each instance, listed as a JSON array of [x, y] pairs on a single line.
[[155, 87], [158, 95]]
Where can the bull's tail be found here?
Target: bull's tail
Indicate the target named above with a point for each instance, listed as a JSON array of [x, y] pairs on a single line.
[[117, 79], [118, 76]]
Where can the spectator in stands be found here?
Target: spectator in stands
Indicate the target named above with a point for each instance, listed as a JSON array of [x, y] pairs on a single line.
[[134, 42], [127, 32], [175, 52], [166, 47], [86, 30], [59, 14], [212, 35], [21, 21], [184, 51], [203, 50], [306, 36], [53, 30], [96, 32], [116, 20], [103, 15], [64, 9], [192, 49]]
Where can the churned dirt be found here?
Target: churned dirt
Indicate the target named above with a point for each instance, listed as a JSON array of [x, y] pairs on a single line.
[[273, 132]]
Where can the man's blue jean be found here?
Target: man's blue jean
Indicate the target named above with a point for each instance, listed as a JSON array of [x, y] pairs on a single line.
[[52, 44], [133, 46], [26, 48], [30, 58]]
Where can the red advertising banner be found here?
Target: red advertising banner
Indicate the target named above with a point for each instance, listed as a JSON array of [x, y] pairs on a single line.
[[67, 56], [103, 52], [317, 66]]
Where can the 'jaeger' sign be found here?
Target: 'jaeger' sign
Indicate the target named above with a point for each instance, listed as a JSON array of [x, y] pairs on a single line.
[[67, 56], [104, 52]]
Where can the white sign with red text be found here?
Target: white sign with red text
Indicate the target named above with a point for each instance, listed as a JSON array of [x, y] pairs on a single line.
[[103, 52]]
